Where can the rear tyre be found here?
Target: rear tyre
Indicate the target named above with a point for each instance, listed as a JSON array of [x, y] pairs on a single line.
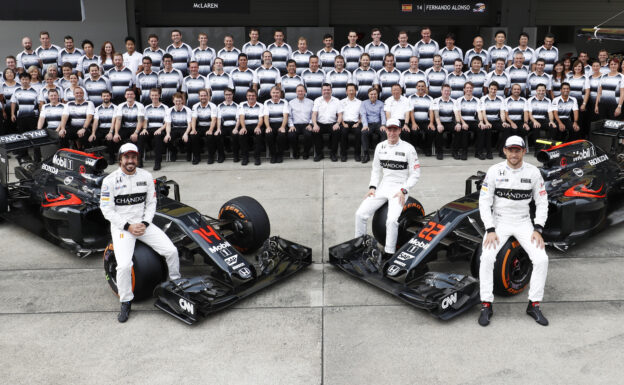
[[250, 223], [148, 270], [412, 210]]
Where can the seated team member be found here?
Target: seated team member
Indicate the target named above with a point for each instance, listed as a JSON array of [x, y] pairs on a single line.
[[538, 77], [326, 119], [154, 52], [507, 190], [243, 78], [121, 78], [267, 77], [491, 112], [313, 78], [254, 49], [128, 202], [204, 55], [129, 117], [373, 119], [77, 116], [565, 112], [178, 129], [396, 163], [275, 122], [499, 76], [193, 83], [328, 53], [523, 47], [280, 51], [95, 84], [300, 122], [229, 54], [388, 76], [169, 80], [436, 76], [426, 49], [227, 127], [364, 77], [398, 107], [518, 72], [610, 96], [477, 51], [467, 118], [291, 81], [476, 76], [152, 130], [70, 54], [517, 116], [540, 112], [411, 77], [338, 77], [421, 116], [43, 93], [456, 80], [180, 52], [500, 50], [402, 52], [302, 55], [68, 93], [444, 113], [204, 124], [351, 123], [218, 81], [450, 52], [250, 115], [146, 80], [352, 51], [103, 121]]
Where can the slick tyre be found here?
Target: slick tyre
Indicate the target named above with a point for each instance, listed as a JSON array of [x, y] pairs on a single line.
[[250, 224], [412, 210], [512, 268], [148, 270], [4, 199]]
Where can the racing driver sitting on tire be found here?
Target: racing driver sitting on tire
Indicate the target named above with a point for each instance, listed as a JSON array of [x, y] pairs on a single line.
[[506, 192], [128, 202], [396, 164]]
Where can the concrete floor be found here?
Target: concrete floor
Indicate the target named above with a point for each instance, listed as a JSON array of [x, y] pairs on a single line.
[[58, 315]]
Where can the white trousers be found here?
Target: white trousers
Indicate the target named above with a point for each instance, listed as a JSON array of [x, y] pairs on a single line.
[[371, 204], [123, 242], [522, 231]]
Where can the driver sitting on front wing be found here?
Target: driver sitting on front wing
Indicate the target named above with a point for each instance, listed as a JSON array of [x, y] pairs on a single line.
[[396, 163], [128, 202]]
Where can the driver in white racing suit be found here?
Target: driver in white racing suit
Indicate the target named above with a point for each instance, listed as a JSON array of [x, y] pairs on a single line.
[[396, 164], [128, 202], [506, 192]]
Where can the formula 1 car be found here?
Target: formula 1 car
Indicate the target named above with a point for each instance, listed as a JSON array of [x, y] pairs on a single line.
[[585, 188], [58, 199]]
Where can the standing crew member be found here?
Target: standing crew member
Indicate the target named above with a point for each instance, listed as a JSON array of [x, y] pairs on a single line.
[[280, 51], [154, 52], [267, 77], [180, 52], [327, 54], [352, 52], [204, 55], [426, 49], [291, 81], [450, 52], [402, 52], [302, 55], [364, 77], [548, 53], [412, 76], [243, 78], [169, 80], [338, 78], [229, 54], [351, 123], [376, 50], [145, 81], [254, 49]]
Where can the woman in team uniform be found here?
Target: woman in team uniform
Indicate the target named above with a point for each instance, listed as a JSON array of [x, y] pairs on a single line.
[[579, 89], [467, 118], [106, 56], [610, 92], [491, 111], [9, 85], [36, 82], [558, 76], [68, 93], [49, 85]]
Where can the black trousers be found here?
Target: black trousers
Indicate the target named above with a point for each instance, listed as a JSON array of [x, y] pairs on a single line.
[[258, 142], [113, 146], [216, 143], [607, 109], [372, 136], [344, 138], [334, 138], [293, 139], [276, 140], [484, 137], [150, 141], [461, 139], [173, 145], [568, 134], [449, 128]]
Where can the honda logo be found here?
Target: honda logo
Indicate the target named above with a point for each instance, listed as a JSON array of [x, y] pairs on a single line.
[[393, 270]]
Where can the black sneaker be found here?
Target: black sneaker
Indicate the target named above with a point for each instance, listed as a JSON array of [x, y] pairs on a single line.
[[439, 156], [481, 156], [357, 158], [244, 162], [124, 314], [343, 158], [333, 157], [156, 166], [280, 159], [220, 158], [210, 160], [489, 155], [257, 161], [366, 158], [273, 159], [486, 313], [318, 158], [534, 311]]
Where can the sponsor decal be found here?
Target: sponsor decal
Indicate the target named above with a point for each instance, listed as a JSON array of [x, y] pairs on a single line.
[[393, 270], [68, 180], [141, 183], [50, 169], [584, 154], [187, 306], [63, 162], [502, 180], [244, 273], [90, 162], [416, 166], [399, 263], [484, 184], [82, 169], [525, 180], [578, 172], [129, 199], [220, 247], [553, 154], [484, 188], [556, 182], [513, 194], [2, 159], [564, 162], [120, 186], [448, 301], [543, 192], [236, 267], [208, 234], [399, 153], [231, 260], [501, 172], [405, 256], [418, 243], [393, 164], [87, 190], [598, 160]]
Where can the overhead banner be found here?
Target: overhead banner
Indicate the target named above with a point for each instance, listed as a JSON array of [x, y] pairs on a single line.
[[193, 6], [56, 10], [435, 8]]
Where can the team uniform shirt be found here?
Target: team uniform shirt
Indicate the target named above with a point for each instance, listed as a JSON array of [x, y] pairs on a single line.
[[402, 56], [377, 53], [230, 58], [145, 82], [518, 76], [449, 56], [515, 108], [300, 111], [204, 115], [289, 86], [594, 83], [533, 80], [48, 56], [326, 59], [528, 53], [549, 55], [129, 115], [104, 115], [421, 106], [43, 94], [204, 58], [425, 53], [68, 94], [397, 108], [156, 57], [85, 62], [503, 80], [611, 88], [276, 111], [218, 84], [364, 79], [504, 52], [339, 81], [351, 109], [179, 119], [37, 86], [327, 110], [578, 87], [120, 80], [302, 60], [435, 80], [107, 65], [227, 114], [445, 108], [66, 83], [539, 108], [26, 102], [267, 78], [181, 57], [564, 108], [605, 69], [313, 82], [26, 60], [472, 53], [169, 82], [252, 114], [155, 116], [493, 108], [352, 56], [386, 80], [467, 108], [77, 113], [457, 84], [72, 58], [396, 165], [192, 86], [556, 86], [52, 115], [254, 54], [133, 61], [280, 55], [410, 79], [242, 81]]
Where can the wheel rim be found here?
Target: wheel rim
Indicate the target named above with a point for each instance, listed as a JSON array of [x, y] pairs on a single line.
[[520, 268]]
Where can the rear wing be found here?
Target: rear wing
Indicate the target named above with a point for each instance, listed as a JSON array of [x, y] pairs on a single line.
[[16, 142]]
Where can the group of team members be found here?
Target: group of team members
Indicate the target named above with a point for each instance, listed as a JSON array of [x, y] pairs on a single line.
[[196, 98]]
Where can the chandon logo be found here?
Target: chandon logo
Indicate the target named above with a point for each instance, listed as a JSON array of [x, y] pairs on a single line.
[[187, 306], [130, 199], [515, 195], [448, 301]]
